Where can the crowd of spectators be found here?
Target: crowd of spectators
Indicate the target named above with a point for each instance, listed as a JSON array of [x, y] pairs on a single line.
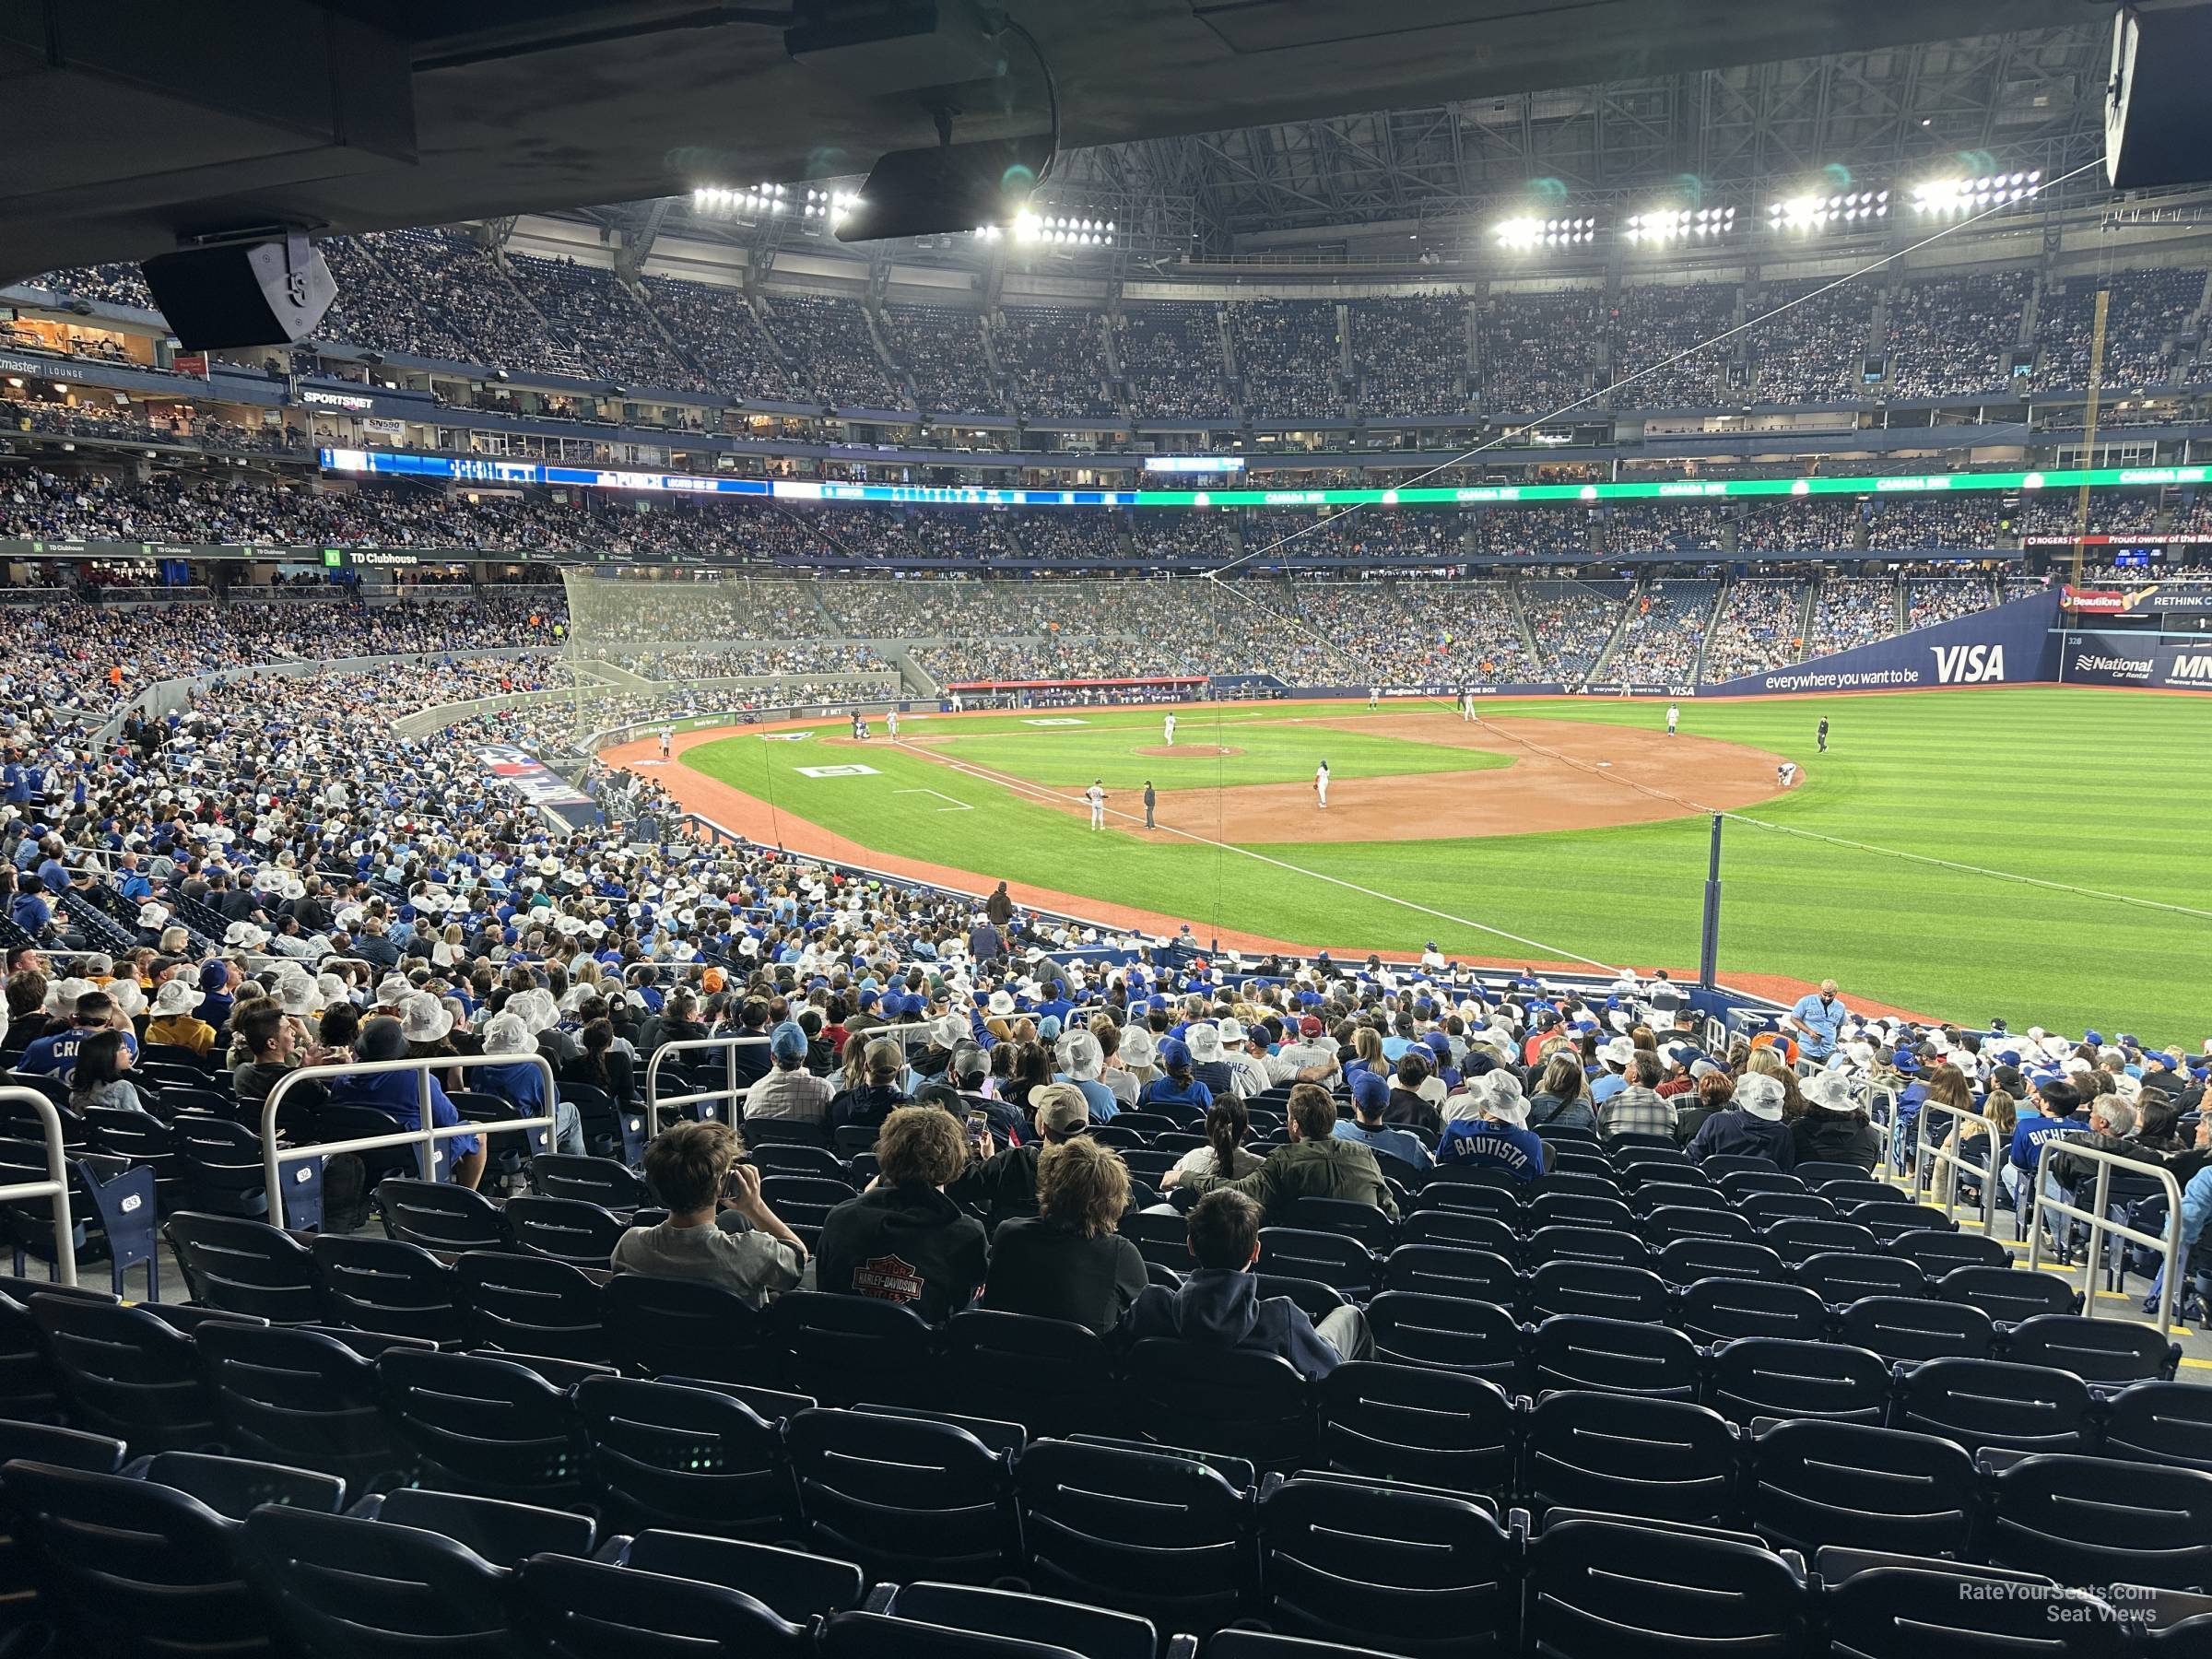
[[1572, 622], [1288, 358], [1808, 345], [1907, 523], [1537, 532], [609, 612], [1073, 536], [2147, 310], [1411, 355], [594, 328], [118, 284], [1053, 361], [827, 338], [1655, 324], [1761, 627], [1816, 524], [941, 349], [1170, 352], [1667, 527], [974, 536], [720, 332], [2112, 512], [434, 294], [1537, 351], [1665, 633], [809, 659], [1852, 610], [1953, 337], [1930, 600]]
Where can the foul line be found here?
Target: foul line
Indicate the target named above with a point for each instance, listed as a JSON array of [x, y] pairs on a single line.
[[957, 805], [1038, 791]]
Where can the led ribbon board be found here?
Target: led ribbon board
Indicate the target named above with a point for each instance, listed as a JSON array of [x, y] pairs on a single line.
[[468, 470]]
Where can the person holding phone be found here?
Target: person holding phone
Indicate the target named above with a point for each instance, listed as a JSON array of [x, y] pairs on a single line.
[[719, 1227]]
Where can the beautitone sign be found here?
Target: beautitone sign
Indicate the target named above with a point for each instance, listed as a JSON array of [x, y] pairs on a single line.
[[2008, 644], [2120, 658]]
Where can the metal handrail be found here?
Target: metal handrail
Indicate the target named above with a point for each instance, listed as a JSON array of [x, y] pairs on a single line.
[[424, 1136], [2173, 1246], [55, 1187], [731, 1092], [1926, 1151]]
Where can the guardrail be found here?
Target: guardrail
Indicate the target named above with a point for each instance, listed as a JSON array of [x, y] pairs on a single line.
[[2173, 1246], [732, 1092], [1927, 1153], [425, 1136], [54, 1188]]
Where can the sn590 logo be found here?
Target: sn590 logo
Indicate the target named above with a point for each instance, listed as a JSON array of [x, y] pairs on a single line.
[[1967, 664]]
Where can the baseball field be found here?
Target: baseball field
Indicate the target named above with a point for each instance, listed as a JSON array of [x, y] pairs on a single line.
[[2042, 854]]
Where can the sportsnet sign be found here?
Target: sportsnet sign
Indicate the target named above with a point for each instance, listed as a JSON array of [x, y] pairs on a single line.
[[2007, 644], [2137, 659]]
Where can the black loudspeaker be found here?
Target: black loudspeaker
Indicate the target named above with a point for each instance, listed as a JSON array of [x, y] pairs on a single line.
[[2157, 123], [267, 293], [946, 188]]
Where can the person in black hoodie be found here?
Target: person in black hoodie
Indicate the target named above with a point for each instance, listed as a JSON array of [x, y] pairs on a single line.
[[1218, 1301], [1749, 1125], [1068, 1261], [904, 1239]]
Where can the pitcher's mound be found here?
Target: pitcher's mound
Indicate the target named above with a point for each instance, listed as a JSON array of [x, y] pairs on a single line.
[[1191, 751]]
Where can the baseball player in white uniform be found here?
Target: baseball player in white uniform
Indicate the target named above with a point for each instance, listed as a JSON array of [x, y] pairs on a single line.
[[957, 703], [1374, 697], [1466, 705], [667, 734], [1321, 784], [1096, 795], [1170, 739], [1786, 774], [891, 724], [1674, 718]]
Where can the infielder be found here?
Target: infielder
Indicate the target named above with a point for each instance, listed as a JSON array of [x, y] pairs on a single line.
[[1466, 705], [1786, 774], [1096, 795], [1321, 784], [891, 724], [1170, 729], [667, 733], [1374, 697], [1674, 718]]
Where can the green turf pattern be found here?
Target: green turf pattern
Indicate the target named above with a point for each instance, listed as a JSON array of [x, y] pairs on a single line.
[[2091, 789]]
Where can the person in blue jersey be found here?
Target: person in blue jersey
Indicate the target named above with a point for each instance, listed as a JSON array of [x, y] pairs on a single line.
[[1486, 1125], [1370, 1099], [1177, 1090]]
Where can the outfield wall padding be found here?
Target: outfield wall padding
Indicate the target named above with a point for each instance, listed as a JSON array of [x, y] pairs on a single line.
[[2009, 644], [2137, 658]]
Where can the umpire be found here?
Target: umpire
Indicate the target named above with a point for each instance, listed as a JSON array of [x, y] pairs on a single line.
[[1151, 797]]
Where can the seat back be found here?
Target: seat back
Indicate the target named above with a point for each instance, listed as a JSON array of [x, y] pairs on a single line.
[[1557, 1243], [1930, 1611], [2007, 1295], [1455, 1270], [1686, 1261], [1801, 1238], [1337, 1259], [299, 1398], [1844, 1276], [2096, 1351], [565, 1230], [688, 1328], [1464, 1229], [529, 1304], [341, 1584], [1721, 1309], [1211, 1398], [126, 1373], [1055, 1377], [1598, 1288], [1613, 1356], [1447, 1333], [607, 1182], [1773, 1376], [846, 1349], [1814, 1484], [1606, 1590], [1909, 1329], [132, 1567], [1363, 1222], [243, 1266], [1009, 1620], [565, 1608], [2093, 1521], [390, 1286], [2162, 1423], [1937, 1253], [1155, 1535], [438, 1216], [1665, 1460], [903, 1497], [690, 1458], [1403, 1422], [484, 1424], [1984, 1403], [1423, 1574]]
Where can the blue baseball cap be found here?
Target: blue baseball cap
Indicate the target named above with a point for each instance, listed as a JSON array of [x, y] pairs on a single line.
[[787, 1042], [1174, 1054], [1370, 1092]]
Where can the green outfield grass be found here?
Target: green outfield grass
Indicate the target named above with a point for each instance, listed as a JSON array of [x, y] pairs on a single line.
[[2085, 789]]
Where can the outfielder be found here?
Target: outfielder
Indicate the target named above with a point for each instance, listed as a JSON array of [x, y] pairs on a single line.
[[1096, 795], [1170, 739], [1321, 784], [1374, 697], [1674, 718], [891, 724]]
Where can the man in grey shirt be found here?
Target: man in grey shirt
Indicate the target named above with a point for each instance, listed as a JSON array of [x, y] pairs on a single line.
[[744, 1248], [789, 1092]]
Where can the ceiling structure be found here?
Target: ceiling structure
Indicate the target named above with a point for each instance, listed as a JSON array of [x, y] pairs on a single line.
[[130, 130]]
